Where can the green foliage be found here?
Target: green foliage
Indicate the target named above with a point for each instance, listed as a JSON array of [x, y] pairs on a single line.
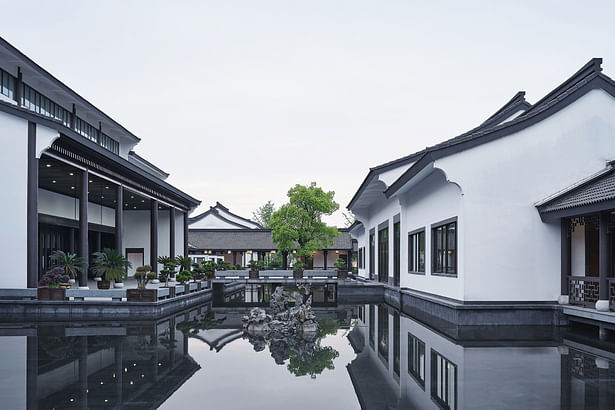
[[143, 275], [168, 267], [256, 265], [70, 262], [110, 265], [340, 264], [298, 224], [322, 358], [275, 262], [327, 326], [299, 265], [222, 265], [263, 214], [184, 276], [184, 262]]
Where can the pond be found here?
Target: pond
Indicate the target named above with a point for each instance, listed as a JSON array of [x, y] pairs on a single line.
[[364, 356]]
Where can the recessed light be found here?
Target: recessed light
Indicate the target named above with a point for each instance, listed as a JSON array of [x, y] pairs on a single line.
[[143, 200], [132, 197], [106, 187], [114, 201], [90, 181], [125, 204], [48, 165], [71, 173], [134, 207], [53, 182], [102, 197], [72, 187]]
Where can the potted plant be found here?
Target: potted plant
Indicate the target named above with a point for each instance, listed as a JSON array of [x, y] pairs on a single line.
[[70, 262], [50, 285], [167, 273], [298, 268], [110, 265], [141, 294], [254, 266], [183, 277], [183, 262], [340, 265]]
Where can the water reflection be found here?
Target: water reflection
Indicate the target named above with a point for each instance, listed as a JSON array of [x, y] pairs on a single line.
[[426, 369], [368, 356]]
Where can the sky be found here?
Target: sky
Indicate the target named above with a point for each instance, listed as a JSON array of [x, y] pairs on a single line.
[[240, 100]]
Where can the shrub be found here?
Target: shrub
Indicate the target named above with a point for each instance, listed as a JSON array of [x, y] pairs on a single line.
[[340, 264], [184, 276], [143, 275], [53, 277]]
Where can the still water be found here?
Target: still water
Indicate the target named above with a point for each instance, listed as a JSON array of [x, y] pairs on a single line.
[[365, 356]]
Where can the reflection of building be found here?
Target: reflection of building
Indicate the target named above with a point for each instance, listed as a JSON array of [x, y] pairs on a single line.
[[132, 366], [460, 219], [74, 181], [220, 234], [401, 363]]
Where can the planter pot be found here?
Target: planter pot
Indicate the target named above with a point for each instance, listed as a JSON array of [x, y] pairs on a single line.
[[198, 285], [342, 274], [103, 284], [141, 295], [297, 274], [253, 274], [155, 281], [118, 284], [51, 294], [71, 281]]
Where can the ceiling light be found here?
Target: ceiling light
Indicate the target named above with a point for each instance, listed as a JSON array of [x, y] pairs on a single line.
[[143, 200], [132, 197], [53, 182], [125, 204], [102, 197], [106, 187], [71, 173], [90, 181], [134, 207], [72, 187], [48, 165]]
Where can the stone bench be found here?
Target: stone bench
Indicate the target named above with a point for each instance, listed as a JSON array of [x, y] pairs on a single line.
[[81, 294], [275, 274], [320, 273], [226, 274]]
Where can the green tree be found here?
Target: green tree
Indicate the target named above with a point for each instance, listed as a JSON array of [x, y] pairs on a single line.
[[263, 214], [298, 224]]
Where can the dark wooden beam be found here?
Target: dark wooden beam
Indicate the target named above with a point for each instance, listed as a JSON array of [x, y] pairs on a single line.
[[565, 255], [32, 210], [119, 219], [171, 231], [153, 243], [84, 250]]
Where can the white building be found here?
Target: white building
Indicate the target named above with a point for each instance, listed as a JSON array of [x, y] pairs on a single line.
[[506, 212], [73, 181]]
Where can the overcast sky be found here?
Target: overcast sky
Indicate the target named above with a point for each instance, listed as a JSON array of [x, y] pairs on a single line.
[[239, 100]]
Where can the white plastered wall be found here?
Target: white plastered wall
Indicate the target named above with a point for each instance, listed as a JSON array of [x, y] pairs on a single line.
[[211, 221], [54, 204], [510, 254], [14, 169], [429, 202]]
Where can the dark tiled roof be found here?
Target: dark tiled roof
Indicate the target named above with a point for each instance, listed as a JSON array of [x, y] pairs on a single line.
[[598, 188], [247, 239]]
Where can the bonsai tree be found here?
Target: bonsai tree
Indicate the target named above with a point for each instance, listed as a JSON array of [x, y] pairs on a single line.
[[70, 262], [255, 265], [168, 270], [54, 277], [110, 265], [299, 266], [298, 224], [184, 276], [340, 264], [143, 275], [198, 271]]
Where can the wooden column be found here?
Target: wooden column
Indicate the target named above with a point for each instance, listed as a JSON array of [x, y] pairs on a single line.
[[325, 254], [171, 231], [565, 255], [84, 250], [234, 258], [186, 233], [284, 259], [119, 219], [153, 236], [32, 210], [603, 249]]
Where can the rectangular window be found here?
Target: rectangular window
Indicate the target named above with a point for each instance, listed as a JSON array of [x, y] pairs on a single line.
[[396, 253], [372, 324], [443, 381], [361, 252], [383, 332], [86, 130], [444, 248], [416, 252], [109, 143], [35, 101], [372, 245], [7, 84], [416, 359], [396, 343], [383, 254]]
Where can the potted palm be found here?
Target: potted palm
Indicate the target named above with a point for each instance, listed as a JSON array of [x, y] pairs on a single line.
[[110, 265], [70, 262], [143, 275], [340, 265], [53, 284]]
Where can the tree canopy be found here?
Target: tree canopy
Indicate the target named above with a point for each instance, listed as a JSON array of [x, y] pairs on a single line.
[[298, 224], [263, 214]]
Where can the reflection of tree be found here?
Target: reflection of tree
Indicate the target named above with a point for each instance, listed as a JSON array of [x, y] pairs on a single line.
[[319, 359], [167, 339], [201, 322], [327, 326], [145, 346]]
